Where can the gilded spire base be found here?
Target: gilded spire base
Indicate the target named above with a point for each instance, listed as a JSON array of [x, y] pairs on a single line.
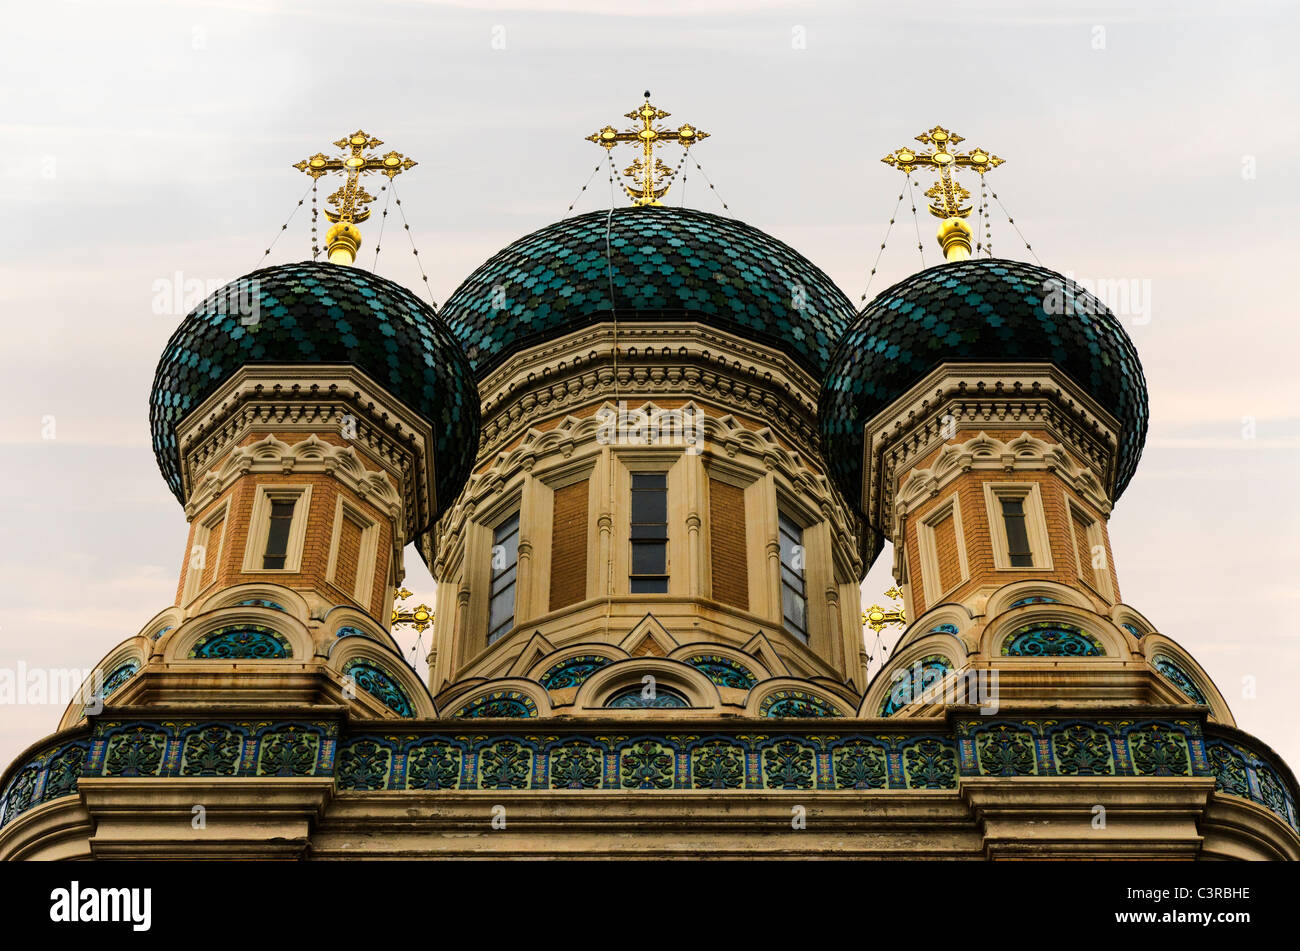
[[954, 237], [342, 242]]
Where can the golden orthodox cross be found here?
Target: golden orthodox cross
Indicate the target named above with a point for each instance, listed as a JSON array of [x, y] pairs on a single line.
[[946, 194], [351, 198], [651, 176], [877, 617], [419, 617]]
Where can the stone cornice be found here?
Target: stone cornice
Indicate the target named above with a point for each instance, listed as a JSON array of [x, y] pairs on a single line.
[[682, 359], [312, 400], [1025, 452], [308, 455], [991, 396]]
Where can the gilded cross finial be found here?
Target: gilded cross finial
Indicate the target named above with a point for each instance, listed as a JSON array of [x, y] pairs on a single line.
[[349, 201], [419, 617], [947, 196], [877, 617], [649, 175]]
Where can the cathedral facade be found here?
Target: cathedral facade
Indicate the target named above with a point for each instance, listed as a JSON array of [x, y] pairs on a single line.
[[649, 454]]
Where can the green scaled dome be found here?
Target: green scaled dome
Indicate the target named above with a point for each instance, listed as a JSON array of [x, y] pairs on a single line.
[[319, 313], [663, 263], [978, 311]]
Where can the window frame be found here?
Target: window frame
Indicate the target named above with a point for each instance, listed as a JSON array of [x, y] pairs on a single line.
[[931, 576], [364, 583], [260, 528], [202, 536], [1098, 579], [634, 540], [804, 634], [1040, 543], [495, 634]]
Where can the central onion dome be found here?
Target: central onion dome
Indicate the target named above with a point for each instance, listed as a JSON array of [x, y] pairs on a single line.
[[978, 311], [653, 263], [316, 313]]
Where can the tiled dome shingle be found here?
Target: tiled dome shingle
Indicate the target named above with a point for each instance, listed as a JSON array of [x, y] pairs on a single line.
[[978, 311], [319, 313], [663, 263]]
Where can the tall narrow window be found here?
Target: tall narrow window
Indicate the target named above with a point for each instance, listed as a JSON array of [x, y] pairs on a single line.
[[277, 536], [1013, 516], [649, 533], [794, 590], [505, 566]]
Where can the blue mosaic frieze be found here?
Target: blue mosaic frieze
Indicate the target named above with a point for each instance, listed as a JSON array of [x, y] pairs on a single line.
[[48, 775], [977, 311], [663, 263], [171, 748], [320, 313], [846, 760]]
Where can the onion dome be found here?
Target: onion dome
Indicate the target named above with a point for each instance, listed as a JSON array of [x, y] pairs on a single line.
[[656, 263], [318, 313], [978, 311]]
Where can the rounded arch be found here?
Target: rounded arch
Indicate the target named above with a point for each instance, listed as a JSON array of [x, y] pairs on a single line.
[[300, 646], [569, 667], [1078, 626], [343, 621], [271, 597], [507, 697], [696, 688], [106, 678], [919, 655], [1132, 621], [949, 618], [1026, 594], [160, 625], [382, 674], [724, 665], [783, 697], [1185, 675]]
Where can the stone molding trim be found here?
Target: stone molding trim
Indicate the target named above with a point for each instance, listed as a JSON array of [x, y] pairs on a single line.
[[987, 453], [312, 454], [992, 396], [311, 400], [687, 359]]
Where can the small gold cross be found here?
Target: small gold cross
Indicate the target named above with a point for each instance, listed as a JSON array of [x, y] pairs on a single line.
[[877, 617], [946, 195], [419, 617], [651, 176], [350, 199]]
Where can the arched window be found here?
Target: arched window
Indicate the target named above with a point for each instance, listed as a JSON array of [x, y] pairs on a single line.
[[381, 685], [1179, 677], [246, 642], [723, 671], [1050, 639], [572, 672], [641, 696], [913, 681]]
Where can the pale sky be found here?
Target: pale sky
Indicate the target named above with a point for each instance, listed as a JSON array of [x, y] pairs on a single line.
[[1152, 146]]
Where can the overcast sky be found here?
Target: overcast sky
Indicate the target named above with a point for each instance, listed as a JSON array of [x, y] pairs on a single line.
[[1153, 146]]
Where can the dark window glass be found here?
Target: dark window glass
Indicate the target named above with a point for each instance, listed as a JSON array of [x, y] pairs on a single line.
[[649, 531], [1013, 515], [277, 537], [505, 566], [794, 591]]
